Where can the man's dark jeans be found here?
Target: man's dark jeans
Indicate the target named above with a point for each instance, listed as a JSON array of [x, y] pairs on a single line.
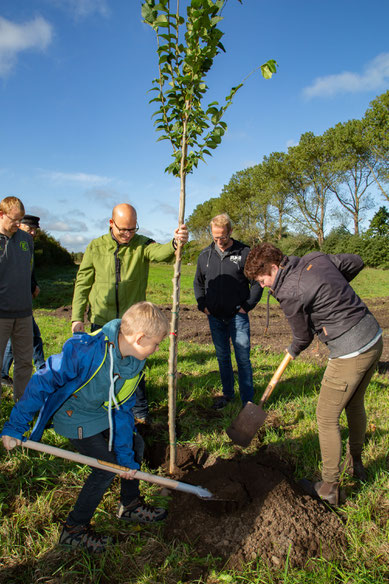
[[38, 356], [237, 329], [141, 407], [99, 480]]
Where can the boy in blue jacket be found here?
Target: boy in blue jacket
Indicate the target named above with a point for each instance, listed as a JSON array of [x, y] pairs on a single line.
[[89, 392]]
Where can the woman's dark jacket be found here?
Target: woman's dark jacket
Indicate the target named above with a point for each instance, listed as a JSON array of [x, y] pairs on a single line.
[[316, 298]]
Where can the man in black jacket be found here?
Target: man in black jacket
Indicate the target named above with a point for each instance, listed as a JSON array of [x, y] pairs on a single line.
[[315, 295], [225, 295]]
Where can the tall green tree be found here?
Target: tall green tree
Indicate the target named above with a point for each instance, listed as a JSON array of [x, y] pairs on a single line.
[[376, 124], [278, 180], [352, 157], [379, 225], [186, 50], [239, 199], [311, 173]]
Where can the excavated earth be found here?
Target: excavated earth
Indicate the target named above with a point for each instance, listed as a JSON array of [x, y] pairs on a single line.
[[257, 511]]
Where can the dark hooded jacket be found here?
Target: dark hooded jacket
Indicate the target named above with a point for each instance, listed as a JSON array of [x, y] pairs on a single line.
[[220, 284], [316, 298]]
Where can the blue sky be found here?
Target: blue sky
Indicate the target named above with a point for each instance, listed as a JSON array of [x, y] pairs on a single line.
[[76, 134]]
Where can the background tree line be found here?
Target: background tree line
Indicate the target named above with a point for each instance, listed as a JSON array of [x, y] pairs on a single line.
[[290, 197]]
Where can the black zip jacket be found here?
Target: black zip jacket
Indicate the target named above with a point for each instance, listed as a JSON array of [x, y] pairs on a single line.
[[315, 296], [220, 284]]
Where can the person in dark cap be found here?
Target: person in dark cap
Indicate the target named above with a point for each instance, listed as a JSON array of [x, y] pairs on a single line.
[[29, 224]]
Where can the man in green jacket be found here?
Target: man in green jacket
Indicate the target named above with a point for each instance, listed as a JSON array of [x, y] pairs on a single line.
[[113, 276]]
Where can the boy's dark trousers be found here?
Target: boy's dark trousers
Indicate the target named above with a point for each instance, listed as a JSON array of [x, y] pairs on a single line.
[[99, 480]]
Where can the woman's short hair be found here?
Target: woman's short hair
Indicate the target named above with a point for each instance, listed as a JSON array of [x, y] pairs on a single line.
[[260, 259]]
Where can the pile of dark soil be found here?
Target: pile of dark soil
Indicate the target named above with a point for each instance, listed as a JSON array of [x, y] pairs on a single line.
[[257, 511]]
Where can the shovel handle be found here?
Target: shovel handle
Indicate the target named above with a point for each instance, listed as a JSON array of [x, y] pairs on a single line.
[[110, 466], [275, 379]]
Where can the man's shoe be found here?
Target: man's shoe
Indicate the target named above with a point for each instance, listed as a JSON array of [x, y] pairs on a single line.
[[221, 402], [328, 492], [82, 536], [353, 466], [7, 380], [140, 512]]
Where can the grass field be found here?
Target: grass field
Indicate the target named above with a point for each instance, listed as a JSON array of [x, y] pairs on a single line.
[[57, 289], [36, 491]]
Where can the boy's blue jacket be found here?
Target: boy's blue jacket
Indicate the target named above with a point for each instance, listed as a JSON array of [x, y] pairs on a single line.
[[81, 358]]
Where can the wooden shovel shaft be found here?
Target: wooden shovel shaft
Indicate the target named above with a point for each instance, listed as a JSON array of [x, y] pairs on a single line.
[[275, 379], [109, 466]]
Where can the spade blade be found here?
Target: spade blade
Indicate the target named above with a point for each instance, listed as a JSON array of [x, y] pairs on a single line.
[[246, 424]]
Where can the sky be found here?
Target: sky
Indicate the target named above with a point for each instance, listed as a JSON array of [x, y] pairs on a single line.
[[76, 127]]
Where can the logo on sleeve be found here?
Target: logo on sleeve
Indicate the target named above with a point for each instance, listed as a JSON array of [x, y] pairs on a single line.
[[24, 246]]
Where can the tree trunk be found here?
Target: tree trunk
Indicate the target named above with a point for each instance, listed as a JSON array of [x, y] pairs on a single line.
[[172, 371]]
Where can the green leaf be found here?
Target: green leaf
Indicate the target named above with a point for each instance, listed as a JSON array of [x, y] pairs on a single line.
[[269, 68]]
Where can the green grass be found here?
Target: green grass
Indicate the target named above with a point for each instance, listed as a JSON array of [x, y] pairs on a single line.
[[57, 289], [37, 491]]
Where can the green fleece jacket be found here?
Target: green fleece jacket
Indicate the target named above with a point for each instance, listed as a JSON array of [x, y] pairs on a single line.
[[113, 277]]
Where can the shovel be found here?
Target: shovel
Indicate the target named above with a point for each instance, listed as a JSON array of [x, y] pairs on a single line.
[[252, 416], [109, 466]]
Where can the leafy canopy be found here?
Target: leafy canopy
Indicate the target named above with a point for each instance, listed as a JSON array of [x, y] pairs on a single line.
[[186, 51]]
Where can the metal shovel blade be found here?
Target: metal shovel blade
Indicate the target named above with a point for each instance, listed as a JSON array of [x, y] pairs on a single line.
[[246, 424]]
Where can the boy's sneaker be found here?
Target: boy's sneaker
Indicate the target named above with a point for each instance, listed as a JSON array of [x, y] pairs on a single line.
[[140, 512], [75, 536]]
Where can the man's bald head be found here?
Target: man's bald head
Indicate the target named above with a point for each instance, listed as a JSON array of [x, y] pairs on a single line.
[[124, 211], [123, 222]]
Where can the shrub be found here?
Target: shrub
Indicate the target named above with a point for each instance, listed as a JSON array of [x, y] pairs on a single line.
[[48, 251], [373, 250]]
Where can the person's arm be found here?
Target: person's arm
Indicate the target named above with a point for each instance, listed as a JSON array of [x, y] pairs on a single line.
[[84, 282], [199, 286], [255, 296], [348, 264], [160, 252], [59, 370], [124, 425], [299, 322]]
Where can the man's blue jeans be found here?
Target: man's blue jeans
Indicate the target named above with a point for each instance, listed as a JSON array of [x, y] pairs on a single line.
[[38, 356], [237, 329]]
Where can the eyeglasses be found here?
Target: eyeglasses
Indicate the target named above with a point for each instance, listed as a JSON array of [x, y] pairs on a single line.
[[132, 230], [14, 221]]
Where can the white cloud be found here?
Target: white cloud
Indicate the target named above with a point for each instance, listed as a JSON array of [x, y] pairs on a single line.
[[74, 242], [165, 208], [15, 38], [146, 232], [76, 177], [375, 76], [290, 143], [83, 8], [66, 226], [107, 198]]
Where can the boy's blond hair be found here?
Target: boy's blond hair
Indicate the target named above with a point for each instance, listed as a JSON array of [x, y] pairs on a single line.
[[144, 317], [9, 202], [222, 220]]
